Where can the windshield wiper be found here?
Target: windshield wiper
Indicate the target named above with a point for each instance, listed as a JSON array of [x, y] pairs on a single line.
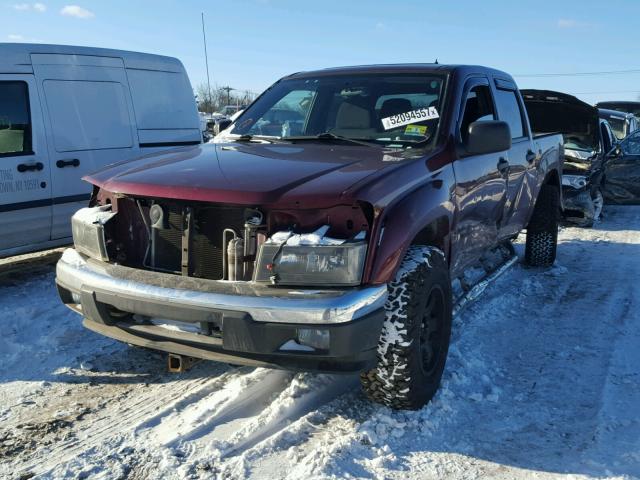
[[253, 138], [331, 137]]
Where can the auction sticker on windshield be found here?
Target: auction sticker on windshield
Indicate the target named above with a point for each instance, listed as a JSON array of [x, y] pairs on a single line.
[[414, 116]]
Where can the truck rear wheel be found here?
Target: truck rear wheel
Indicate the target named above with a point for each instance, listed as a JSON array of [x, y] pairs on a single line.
[[542, 231], [414, 341]]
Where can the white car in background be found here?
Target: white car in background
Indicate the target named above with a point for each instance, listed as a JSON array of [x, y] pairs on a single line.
[[68, 111]]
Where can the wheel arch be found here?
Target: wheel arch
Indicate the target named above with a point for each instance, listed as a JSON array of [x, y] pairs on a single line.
[[422, 218]]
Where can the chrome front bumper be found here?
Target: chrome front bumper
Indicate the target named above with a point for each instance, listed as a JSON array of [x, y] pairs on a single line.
[[81, 276]]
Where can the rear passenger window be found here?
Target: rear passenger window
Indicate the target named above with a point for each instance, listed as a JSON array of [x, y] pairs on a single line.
[[509, 111], [478, 108], [15, 124]]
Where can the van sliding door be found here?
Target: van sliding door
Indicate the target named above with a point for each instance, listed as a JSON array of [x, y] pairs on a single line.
[[90, 124]]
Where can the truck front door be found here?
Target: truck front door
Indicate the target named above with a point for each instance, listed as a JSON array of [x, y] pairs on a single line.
[[25, 187], [480, 182]]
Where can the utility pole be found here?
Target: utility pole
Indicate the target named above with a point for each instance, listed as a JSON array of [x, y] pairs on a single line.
[[228, 90], [206, 61]]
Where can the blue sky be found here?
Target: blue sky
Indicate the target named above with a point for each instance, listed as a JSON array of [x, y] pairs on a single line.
[[253, 42]]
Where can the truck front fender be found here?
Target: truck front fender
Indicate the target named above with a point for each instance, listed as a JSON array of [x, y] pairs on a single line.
[[424, 216]]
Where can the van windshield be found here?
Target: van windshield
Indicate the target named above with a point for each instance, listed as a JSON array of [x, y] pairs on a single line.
[[399, 110]]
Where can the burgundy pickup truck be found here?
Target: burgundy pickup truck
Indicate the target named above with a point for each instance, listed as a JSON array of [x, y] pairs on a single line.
[[322, 229]]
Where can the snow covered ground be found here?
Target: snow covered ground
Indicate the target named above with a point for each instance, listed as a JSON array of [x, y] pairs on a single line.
[[543, 381]]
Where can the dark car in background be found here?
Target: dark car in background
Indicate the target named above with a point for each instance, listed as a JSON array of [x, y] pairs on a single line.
[[622, 172], [622, 123], [587, 141]]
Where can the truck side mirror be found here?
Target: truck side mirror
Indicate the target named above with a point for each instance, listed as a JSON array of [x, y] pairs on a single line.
[[488, 137], [222, 125]]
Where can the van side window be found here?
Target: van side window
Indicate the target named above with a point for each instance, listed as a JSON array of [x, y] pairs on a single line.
[[509, 111], [478, 108], [15, 124]]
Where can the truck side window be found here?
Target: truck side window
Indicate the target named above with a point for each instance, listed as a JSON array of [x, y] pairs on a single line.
[[509, 111], [478, 108], [15, 124]]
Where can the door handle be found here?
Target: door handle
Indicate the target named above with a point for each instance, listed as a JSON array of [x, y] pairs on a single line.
[[503, 165], [531, 156], [68, 163], [30, 167]]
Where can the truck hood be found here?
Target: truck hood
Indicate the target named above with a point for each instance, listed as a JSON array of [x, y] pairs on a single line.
[[556, 112], [311, 175]]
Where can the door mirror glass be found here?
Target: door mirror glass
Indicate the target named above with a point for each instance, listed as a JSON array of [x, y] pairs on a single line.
[[488, 137], [221, 125]]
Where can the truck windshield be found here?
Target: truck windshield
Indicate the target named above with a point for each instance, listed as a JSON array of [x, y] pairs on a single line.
[[399, 110]]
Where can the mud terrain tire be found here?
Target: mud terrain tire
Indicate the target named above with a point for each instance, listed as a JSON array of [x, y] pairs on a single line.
[[414, 341], [542, 231]]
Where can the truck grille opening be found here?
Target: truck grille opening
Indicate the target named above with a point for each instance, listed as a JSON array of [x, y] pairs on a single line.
[[205, 247], [167, 243]]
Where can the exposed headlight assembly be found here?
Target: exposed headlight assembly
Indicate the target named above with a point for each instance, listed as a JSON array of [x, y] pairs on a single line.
[[575, 181], [324, 263], [88, 225]]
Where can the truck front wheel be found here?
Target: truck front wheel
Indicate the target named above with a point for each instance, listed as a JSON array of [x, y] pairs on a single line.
[[414, 341], [542, 231]]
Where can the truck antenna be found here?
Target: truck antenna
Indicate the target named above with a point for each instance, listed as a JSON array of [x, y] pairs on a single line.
[[206, 61]]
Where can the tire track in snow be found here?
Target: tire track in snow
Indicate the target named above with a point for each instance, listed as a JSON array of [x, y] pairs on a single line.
[[196, 416], [291, 406], [117, 422]]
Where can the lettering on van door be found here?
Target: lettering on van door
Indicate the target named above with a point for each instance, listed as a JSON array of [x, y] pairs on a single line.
[[9, 185]]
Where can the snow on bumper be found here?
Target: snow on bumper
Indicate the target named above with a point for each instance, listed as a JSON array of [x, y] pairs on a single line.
[[238, 319]]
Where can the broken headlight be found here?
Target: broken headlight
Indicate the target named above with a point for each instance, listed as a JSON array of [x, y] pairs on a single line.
[[87, 226], [575, 181], [327, 265]]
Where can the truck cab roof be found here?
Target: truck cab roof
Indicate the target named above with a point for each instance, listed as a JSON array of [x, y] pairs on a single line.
[[415, 68]]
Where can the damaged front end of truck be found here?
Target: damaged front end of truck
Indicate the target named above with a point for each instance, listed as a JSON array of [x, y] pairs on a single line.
[[256, 277]]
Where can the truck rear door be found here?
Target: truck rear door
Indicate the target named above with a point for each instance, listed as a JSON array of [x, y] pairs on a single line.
[[25, 186], [521, 173], [90, 123], [480, 182]]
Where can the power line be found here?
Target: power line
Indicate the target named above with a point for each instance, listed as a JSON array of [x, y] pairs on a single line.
[[580, 74]]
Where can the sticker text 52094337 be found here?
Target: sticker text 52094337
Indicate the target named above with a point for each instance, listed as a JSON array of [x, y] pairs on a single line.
[[414, 116]]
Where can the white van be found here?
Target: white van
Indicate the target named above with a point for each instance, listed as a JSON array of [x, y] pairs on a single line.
[[68, 111]]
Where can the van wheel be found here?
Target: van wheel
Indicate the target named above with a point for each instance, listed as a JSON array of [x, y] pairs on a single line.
[[414, 341], [542, 231]]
